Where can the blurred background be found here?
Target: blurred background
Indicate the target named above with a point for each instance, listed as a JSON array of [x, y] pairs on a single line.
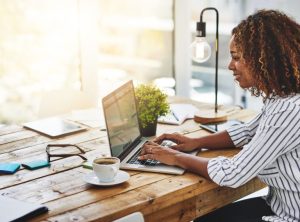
[[80, 50]]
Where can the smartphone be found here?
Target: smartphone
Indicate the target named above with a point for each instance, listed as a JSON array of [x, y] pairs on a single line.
[[216, 127]]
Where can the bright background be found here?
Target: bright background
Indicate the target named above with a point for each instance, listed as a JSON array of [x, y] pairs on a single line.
[[92, 46]]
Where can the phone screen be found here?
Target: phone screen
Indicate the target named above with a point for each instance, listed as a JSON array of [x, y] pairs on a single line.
[[220, 126]]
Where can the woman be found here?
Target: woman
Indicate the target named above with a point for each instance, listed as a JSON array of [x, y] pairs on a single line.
[[265, 51]]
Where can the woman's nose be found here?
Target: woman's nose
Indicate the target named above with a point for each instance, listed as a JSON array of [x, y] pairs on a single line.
[[230, 66]]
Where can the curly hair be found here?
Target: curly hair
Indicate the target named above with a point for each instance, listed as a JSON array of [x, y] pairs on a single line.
[[270, 44]]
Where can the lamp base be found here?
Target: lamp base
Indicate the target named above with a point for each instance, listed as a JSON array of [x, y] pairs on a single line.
[[210, 116]]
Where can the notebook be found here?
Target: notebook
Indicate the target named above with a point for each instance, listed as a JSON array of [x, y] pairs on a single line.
[[16, 210], [179, 113], [124, 134], [54, 127]]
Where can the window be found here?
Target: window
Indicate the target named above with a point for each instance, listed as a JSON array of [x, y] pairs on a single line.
[[77, 44], [39, 51], [135, 41]]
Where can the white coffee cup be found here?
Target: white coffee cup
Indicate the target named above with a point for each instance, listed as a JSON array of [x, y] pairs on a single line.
[[106, 168]]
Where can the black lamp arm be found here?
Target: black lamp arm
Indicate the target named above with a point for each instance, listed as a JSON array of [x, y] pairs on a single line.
[[202, 33]]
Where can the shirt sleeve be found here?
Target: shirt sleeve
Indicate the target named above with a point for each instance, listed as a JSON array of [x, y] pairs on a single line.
[[274, 136], [242, 134]]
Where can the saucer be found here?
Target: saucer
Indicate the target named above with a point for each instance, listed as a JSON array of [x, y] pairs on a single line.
[[121, 177]]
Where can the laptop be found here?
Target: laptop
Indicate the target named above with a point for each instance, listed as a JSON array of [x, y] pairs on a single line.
[[125, 140]]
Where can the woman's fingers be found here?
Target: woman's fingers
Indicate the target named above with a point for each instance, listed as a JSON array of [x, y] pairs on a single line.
[[147, 148], [147, 152], [152, 143], [160, 138], [177, 147], [162, 154], [147, 156], [173, 137]]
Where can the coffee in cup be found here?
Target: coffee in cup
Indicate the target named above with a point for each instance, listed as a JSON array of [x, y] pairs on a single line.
[[106, 168]]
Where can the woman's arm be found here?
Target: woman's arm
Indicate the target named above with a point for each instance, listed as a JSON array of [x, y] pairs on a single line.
[[194, 164], [220, 140]]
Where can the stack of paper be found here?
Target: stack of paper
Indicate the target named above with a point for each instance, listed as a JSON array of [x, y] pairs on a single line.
[[179, 113]]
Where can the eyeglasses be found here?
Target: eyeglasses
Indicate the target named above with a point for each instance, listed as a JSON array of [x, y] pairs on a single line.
[[75, 151]]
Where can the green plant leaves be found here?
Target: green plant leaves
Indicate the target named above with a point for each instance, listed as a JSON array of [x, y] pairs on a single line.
[[151, 103]]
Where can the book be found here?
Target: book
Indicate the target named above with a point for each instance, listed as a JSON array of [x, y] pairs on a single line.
[[179, 112], [16, 210]]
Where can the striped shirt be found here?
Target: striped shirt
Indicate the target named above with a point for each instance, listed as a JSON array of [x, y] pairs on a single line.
[[271, 151]]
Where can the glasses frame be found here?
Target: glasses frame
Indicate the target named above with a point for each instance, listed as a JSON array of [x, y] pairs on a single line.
[[49, 155]]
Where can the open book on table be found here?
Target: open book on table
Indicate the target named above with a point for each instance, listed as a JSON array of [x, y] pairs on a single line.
[[178, 114]]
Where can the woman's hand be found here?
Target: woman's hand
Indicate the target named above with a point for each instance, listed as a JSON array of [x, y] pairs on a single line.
[[184, 143], [170, 156], [154, 151]]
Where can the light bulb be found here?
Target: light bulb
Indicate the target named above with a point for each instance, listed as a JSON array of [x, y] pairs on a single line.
[[200, 50]]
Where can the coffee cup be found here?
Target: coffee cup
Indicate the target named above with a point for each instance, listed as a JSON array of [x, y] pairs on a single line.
[[106, 168]]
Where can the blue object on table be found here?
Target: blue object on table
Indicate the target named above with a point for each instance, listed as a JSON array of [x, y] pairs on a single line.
[[9, 168], [36, 164]]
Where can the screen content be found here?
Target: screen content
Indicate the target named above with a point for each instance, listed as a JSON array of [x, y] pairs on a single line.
[[121, 118]]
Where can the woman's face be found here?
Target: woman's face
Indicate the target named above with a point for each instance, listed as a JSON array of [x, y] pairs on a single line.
[[239, 67]]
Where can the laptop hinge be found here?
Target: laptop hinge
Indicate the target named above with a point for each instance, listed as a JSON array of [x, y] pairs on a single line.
[[128, 150]]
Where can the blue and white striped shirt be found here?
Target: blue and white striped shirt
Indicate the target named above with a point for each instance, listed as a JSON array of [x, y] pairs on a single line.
[[271, 151]]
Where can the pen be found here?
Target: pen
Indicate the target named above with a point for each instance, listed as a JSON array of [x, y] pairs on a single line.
[[175, 116]]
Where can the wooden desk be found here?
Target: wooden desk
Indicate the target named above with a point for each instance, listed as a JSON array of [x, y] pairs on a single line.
[[160, 197]]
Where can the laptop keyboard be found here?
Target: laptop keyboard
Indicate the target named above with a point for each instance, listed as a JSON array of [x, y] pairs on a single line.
[[134, 159]]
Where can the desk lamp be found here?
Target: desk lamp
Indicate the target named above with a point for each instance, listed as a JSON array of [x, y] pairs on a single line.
[[201, 52]]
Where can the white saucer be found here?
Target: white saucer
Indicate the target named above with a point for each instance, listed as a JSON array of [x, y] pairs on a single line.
[[91, 178]]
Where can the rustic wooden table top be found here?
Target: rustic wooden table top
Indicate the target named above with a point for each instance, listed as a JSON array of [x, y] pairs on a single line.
[[160, 197]]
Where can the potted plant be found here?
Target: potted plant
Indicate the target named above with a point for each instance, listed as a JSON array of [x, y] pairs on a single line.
[[151, 103]]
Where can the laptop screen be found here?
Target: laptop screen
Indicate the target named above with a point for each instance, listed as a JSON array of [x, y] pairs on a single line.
[[121, 118]]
